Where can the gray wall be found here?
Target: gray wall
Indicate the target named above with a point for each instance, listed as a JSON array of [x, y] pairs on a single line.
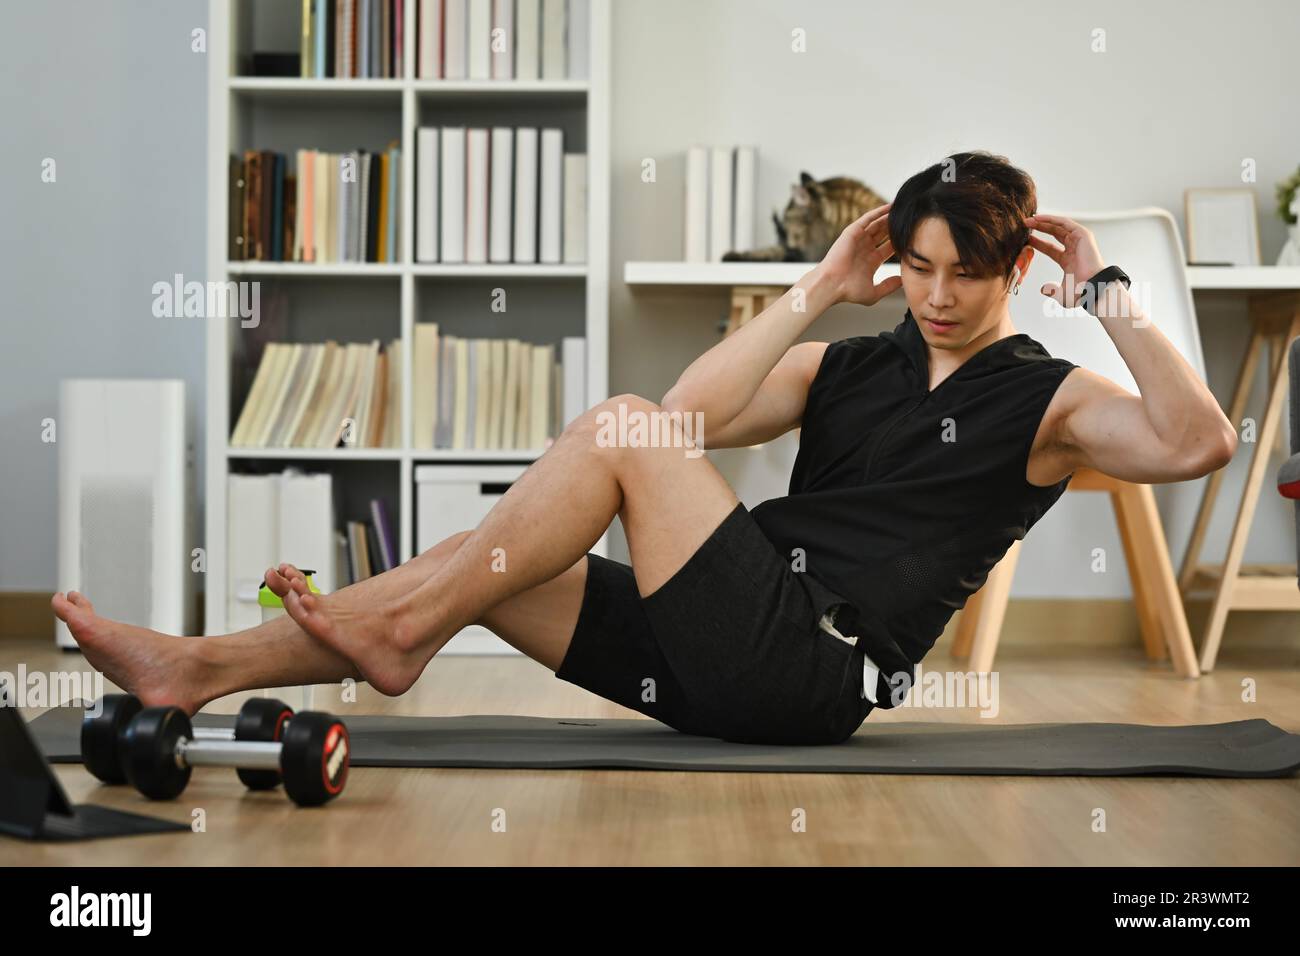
[[113, 93]]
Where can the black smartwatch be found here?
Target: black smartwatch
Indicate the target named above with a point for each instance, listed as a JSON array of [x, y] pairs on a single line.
[[1091, 293]]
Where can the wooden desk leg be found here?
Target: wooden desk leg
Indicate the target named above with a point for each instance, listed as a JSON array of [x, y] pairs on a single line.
[[1255, 479], [1245, 378], [748, 301]]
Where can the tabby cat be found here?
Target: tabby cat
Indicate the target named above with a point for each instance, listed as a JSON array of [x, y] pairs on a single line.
[[814, 218]]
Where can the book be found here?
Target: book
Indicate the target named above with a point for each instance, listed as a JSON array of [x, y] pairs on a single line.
[[307, 42], [253, 205], [384, 534], [452, 226], [550, 187], [696, 238], [745, 198], [528, 39], [525, 200], [426, 194], [502, 161], [503, 28], [429, 40], [424, 386], [496, 391], [394, 167], [275, 356], [554, 63], [454, 35], [573, 351], [579, 39], [393, 415], [575, 208], [720, 187], [476, 195], [235, 210], [478, 39], [238, 437], [541, 425]]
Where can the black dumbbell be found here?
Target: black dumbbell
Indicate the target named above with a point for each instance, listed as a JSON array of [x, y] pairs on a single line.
[[260, 719], [312, 757]]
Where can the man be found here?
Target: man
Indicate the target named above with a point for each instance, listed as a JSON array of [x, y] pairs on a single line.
[[924, 453]]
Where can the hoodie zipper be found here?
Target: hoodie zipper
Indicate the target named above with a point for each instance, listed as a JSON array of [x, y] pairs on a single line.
[[871, 456]]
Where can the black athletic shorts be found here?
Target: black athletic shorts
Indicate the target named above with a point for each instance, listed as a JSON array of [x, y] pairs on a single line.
[[728, 647]]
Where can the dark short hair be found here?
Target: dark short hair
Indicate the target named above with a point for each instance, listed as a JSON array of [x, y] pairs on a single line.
[[983, 202]]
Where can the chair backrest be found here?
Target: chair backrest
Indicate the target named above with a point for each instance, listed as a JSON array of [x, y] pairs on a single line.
[[1145, 242]]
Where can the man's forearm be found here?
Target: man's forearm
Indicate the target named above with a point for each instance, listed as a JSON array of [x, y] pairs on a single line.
[[1179, 406], [722, 381]]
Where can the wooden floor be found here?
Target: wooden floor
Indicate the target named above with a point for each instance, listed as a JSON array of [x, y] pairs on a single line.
[[612, 817]]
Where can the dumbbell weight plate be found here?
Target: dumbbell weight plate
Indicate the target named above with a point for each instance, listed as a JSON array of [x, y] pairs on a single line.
[[101, 735], [149, 752], [314, 758], [262, 719]]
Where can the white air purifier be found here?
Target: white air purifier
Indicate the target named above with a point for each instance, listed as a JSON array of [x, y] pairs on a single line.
[[126, 479]]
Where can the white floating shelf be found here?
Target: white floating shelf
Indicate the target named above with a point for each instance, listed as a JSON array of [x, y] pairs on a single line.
[[489, 87], [389, 454], [504, 270], [318, 454], [1243, 277], [353, 86], [313, 87], [721, 273], [475, 454], [315, 268], [727, 274]]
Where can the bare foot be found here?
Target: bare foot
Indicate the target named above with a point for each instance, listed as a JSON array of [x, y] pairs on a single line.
[[157, 668], [370, 637]]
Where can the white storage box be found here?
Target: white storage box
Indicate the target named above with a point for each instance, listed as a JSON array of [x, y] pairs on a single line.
[[452, 498]]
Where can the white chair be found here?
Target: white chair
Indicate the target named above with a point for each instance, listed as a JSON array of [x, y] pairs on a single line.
[[1147, 244]]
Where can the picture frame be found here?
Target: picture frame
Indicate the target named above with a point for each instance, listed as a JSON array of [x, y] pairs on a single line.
[[1222, 226]]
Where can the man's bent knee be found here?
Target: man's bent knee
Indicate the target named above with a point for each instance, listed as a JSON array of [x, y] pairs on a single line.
[[629, 421]]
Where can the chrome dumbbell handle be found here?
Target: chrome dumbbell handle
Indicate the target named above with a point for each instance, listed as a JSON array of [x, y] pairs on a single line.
[[214, 733], [221, 733], [228, 753]]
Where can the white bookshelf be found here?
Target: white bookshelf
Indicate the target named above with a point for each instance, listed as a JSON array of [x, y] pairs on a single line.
[[246, 112]]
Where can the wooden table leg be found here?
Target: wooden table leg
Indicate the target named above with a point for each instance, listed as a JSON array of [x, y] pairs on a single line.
[[1279, 333]]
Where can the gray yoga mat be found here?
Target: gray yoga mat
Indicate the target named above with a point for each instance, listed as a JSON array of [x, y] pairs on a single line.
[[1241, 748]]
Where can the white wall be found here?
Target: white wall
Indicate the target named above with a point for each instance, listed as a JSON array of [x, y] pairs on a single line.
[[113, 93], [1184, 92]]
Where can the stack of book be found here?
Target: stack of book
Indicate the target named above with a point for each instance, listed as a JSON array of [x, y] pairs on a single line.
[[353, 38], [720, 191], [502, 40], [291, 516], [493, 393], [499, 195], [321, 395], [315, 206], [369, 547]]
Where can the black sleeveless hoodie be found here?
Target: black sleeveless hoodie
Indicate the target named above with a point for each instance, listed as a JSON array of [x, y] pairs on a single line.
[[902, 499]]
